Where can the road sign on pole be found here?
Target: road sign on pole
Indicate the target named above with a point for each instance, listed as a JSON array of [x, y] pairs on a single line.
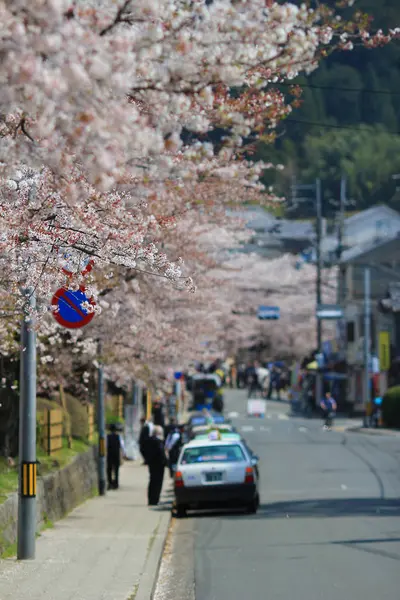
[[329, 311], [266, 313], [69, 310]]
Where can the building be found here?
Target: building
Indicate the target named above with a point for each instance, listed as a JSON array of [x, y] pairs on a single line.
[[382, 257]]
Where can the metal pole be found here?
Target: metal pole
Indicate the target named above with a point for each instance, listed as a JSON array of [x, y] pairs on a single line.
[[27, 433], [340, 291], [101, 425], [318, 201], [367, 334]]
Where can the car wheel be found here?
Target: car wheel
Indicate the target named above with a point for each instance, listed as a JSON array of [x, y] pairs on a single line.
[[181, 511], [252, 508]]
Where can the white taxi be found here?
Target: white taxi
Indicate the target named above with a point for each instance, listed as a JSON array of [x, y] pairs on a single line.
[[214, 473]]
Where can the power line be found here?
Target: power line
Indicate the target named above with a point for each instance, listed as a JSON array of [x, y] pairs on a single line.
[[338, 88], [333, 126]]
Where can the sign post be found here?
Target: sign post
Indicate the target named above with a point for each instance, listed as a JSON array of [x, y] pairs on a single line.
[[101, 424]]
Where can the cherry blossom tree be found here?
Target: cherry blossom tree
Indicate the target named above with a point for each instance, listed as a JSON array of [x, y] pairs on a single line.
[[106, 112], [250, 281], [110, 121]]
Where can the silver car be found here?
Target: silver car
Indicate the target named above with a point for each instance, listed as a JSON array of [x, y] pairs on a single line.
[[216, 473]]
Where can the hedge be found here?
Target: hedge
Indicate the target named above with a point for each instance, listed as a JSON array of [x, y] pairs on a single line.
[[391, 407]]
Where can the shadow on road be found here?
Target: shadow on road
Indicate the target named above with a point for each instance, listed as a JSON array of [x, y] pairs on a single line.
[[330, 507], [325, 508]]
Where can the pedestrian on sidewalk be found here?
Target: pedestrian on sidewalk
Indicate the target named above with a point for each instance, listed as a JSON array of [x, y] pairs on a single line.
[[146, 431], [274, 383], [156, 461], [113, 458], [173, 445], [329, 408], [158, 412]]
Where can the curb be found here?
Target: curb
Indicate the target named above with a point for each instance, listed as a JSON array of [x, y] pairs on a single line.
[[373, 431], [148, 581]]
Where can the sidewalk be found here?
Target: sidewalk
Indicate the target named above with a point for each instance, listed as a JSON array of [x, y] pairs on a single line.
[[107, 549], [357, 426]]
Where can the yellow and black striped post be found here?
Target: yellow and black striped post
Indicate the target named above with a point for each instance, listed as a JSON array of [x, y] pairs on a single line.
[[102, 447], [28, 480]]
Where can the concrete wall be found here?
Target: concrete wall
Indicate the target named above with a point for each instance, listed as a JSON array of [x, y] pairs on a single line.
[[57, 494]]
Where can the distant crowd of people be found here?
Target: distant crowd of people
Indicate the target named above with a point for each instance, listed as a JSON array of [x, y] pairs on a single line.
[[263, 380]]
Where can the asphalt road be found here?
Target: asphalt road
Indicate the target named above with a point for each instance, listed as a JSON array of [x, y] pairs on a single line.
[[328, 527]]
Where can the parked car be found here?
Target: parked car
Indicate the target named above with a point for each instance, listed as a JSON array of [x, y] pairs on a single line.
[[230, 436], [216, 473], [201, 430]]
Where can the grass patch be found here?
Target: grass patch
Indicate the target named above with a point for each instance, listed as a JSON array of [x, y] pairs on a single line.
[[135, 590], [48, 464], [10, 551], [8, 480]]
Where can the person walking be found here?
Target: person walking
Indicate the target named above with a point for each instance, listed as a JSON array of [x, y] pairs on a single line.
[[173, 445], [274, 383], [156, 461], [146, 431], [329, 408], [158, 412], [113, 458], [253, 382]]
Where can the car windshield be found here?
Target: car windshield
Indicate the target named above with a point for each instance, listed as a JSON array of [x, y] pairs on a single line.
[[209, 454]]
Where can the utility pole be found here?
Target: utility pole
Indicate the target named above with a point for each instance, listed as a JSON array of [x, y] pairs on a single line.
[[318, 203], [367, 335], [343, 192], [101, 423], [27, 433]]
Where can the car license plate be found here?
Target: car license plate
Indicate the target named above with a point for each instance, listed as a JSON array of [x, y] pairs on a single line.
[[213, 477]]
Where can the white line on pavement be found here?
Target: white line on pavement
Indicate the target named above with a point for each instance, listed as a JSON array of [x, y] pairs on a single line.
[[344, 487], [247, 428], [233, 415], [269, 416], [303, 429], [262, 428], [283, 417]]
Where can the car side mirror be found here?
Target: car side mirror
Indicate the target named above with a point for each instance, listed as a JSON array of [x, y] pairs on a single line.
[[254, 460]]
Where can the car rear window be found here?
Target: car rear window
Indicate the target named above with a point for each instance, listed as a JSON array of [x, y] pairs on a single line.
[[210, 454]]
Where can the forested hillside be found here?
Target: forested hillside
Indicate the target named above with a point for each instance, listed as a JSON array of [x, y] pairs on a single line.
[[349, 120]]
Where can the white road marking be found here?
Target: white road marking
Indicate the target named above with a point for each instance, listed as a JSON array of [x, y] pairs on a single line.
[[344, 487], [247, 428], [283, 417], [303, 429], [269, 416], [233, 415], [262, 428]]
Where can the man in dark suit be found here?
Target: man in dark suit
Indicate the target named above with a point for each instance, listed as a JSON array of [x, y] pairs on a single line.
[[113, 457]]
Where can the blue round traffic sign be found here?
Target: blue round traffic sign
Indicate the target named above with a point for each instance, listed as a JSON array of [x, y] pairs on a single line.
[[69, 310]]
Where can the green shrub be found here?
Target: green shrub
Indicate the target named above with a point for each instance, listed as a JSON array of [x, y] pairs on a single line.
[[391, 407], [112, 418]]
